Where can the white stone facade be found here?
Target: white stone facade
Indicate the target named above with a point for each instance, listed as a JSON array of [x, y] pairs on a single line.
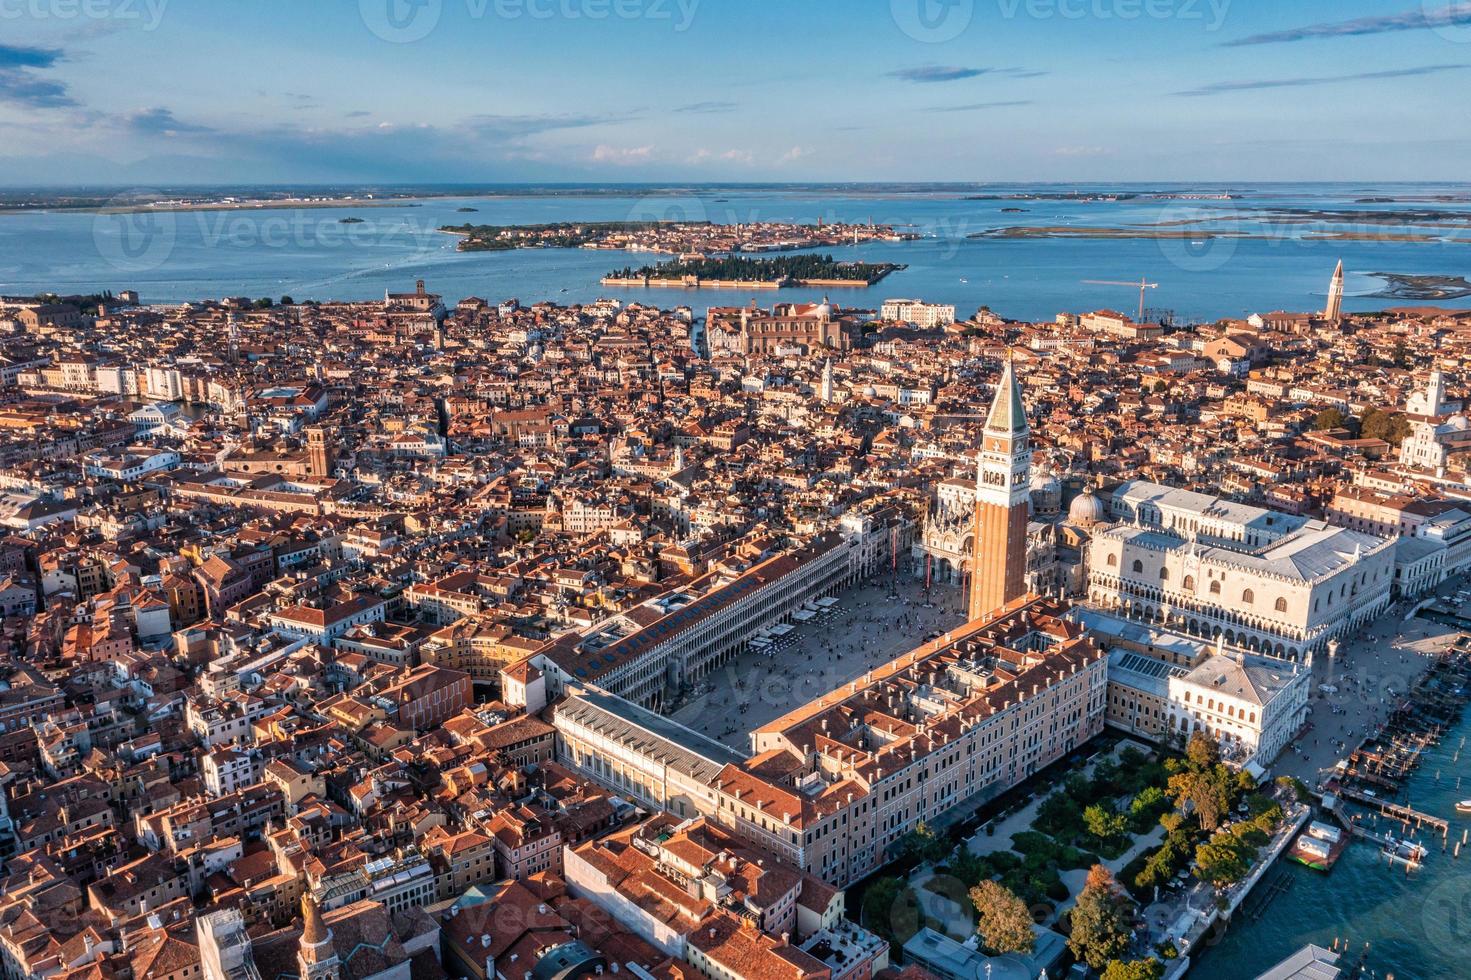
[[1265, 581]]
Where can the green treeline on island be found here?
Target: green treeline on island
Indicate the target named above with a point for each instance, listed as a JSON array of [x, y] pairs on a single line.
[[562, 234], [781, 268]]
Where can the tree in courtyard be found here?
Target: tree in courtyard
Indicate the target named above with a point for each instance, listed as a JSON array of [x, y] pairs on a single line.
[[1103, 823], [891, 910], [1101, 929], [1224, 859], [1147, 806], [1208, 793], [1150, 969], [924, 843], [1003, 920], [1203, 751], [1328, 418]]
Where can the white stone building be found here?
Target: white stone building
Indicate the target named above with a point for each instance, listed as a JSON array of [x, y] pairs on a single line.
[[1266, 581], [1253, 705]]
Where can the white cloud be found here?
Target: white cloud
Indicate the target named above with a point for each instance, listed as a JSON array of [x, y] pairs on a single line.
[[604, 153]]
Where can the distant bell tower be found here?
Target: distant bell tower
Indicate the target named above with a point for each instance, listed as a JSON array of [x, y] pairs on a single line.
[[1003, 486], [316, 958], [318, 452], [1334, 310]]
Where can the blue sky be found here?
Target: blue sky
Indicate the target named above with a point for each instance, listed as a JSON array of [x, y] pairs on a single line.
[[135, 92]]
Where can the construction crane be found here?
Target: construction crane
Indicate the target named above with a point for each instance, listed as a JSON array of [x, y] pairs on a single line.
[[1141, 285]]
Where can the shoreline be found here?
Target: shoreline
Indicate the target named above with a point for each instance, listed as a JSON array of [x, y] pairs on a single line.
[[694, 283], [1071, 233], [285, 204]]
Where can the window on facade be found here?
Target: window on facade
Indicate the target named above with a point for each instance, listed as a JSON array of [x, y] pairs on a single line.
[[1189, 583], [1281, 605], [1248, 597], [1113, 560], [1138, 566], [1215, 588], [1164, 574]]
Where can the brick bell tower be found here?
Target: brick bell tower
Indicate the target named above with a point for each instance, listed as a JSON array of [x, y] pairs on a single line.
[[1003, 489]]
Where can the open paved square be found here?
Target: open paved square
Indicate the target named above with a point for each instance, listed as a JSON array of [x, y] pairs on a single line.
[[873, 624]]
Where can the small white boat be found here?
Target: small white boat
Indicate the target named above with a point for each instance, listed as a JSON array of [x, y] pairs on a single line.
[[1464, 806]]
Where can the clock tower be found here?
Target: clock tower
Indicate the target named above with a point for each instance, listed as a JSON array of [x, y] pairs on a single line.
[[1003, 488]]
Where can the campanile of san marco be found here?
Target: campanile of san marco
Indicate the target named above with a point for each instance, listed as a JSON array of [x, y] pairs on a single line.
[[1003, 488]]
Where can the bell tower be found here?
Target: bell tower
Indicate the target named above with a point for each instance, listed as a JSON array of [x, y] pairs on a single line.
[[1003, 486], [316, 957], [318, 452]]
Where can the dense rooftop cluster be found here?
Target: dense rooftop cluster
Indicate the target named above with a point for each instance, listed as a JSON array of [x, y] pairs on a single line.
[[279, 582]]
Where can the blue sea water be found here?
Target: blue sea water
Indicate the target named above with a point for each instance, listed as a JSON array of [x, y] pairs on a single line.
[[1417, 926], [310, 254]]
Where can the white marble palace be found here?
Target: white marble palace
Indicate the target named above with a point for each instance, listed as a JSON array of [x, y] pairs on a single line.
[[1265, 581]]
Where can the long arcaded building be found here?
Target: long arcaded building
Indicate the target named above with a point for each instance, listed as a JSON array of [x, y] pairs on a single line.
[[834, 783]]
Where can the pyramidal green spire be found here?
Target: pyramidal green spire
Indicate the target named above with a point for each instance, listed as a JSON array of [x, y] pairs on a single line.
[[1007, 412]]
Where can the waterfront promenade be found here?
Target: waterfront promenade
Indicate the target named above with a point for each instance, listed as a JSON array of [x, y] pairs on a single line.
[[1353, 691]]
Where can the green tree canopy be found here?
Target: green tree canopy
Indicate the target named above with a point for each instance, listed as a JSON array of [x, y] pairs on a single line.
[[1224, 859], [1150, 969], [1102, 822], [1328, 418], [1003, 920], [1101, 929], [1203, 751]]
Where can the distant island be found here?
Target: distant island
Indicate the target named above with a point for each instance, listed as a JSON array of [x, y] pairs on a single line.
[[467, 210], [349, 221], [1421, 287], [744, 272], [687, 239], [1157, 233], [562, 234], [1105, 197]]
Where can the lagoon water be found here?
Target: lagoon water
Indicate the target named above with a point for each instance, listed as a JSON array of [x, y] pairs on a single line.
[[1418, 926], [311, 254]]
